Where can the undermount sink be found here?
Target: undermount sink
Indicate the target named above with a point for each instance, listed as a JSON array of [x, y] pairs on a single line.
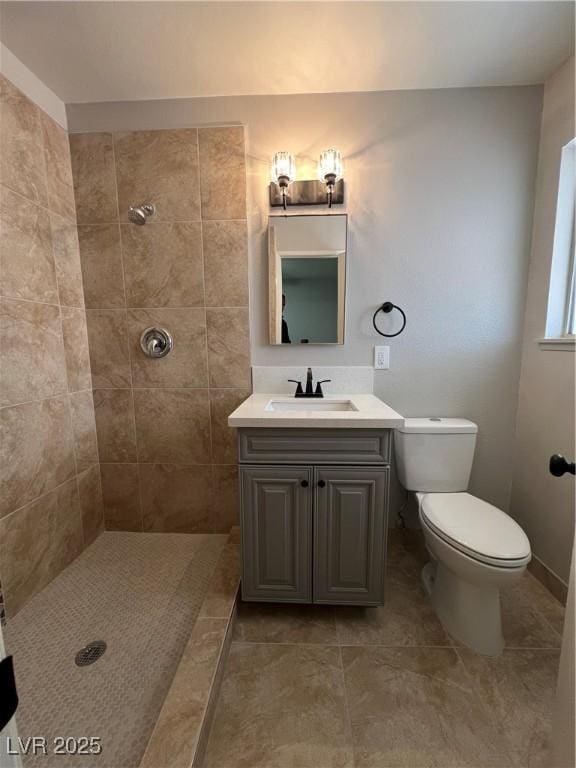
[[303, 404]]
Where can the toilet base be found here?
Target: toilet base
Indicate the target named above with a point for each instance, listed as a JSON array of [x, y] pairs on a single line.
[[469, 612]]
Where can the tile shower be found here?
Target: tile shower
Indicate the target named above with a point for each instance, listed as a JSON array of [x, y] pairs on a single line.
[[102, 448]]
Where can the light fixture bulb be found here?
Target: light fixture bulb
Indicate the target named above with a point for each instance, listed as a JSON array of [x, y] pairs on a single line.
[[330, 166], [283, 169]]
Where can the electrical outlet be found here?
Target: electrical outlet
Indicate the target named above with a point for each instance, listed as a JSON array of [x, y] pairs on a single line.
[[381, 358]]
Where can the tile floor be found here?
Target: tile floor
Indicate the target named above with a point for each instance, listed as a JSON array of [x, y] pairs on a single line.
[[318, 687], [141, 593]]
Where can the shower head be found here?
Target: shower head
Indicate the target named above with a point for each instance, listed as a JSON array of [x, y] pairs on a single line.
[[138, 214]]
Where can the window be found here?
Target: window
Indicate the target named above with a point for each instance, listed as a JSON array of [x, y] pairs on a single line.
[[561, 315]]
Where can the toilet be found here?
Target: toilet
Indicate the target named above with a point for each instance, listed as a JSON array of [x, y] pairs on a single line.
[[475, 548]]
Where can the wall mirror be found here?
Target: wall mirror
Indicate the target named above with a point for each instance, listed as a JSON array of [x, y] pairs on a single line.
[[307, 278]]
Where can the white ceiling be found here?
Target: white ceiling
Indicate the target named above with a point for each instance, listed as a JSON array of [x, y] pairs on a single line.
[[115, 51]]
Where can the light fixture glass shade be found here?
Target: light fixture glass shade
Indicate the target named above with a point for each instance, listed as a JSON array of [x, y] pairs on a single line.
[[330, 164], [283, 165]]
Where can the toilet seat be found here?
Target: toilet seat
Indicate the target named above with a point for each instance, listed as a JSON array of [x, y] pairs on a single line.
[[476, 528]]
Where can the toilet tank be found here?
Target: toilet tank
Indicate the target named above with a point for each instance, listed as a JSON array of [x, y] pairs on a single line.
[[435, 455]]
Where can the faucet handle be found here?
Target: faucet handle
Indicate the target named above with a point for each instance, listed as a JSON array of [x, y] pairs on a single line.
[[319, 392], [299, 390]]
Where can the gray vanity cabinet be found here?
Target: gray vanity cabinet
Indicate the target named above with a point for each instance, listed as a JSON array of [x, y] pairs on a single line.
[[314, 525]]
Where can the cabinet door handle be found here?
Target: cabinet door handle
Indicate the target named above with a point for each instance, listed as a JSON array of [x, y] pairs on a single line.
[[321, 483], [304, 483]]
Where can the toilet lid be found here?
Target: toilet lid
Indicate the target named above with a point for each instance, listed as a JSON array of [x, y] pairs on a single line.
[[476, 527]]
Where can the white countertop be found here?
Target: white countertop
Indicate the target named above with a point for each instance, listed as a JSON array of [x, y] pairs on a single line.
[[370, 413]]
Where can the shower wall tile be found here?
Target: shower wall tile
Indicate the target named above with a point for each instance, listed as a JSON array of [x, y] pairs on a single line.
[[101, 260], [91, 504], [92, 156], [225, 510], [228, 346], [108, 342], [163, 264], [159, 167], [36, 451], [121, 497], [226, 263], [114, 412], [27, 268], [222, 403], [186, 365], [84, 430], [172, 425], [22, 166], [33, 364], [67, 260], [37, 542], [58, 168], [222, 172], [176, 499], [76, 349]]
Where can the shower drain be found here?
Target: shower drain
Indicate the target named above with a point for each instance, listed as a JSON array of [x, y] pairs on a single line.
[[90, 653]]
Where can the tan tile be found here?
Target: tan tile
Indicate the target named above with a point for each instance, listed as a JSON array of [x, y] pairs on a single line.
[[186, 364], [92, 157], [32, 352], [22, 166], [406, 618], [417, 707], [518, 688], [228, 347], [84, 430], [108, 343], [221, 595], [76, 349], [67, 260], [101, 259], [541, 601], [58, 168], [172, 425], [114, 412], [26, 258], [36, 451], [226, 504], [175, 737], [268, 623], [224, 438], [121, 495], [159, 167], [522, 624], [163, 265], [281, 705], [176, 499], [548, 580], [222, 172], [91, 504], [225, 248], [37, 542]]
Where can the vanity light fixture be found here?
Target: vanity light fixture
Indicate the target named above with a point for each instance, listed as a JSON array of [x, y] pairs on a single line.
[[330, 171], [283, 172]]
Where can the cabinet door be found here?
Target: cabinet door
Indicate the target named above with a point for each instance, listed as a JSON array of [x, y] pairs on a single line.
[[276, 526], [350, 534]]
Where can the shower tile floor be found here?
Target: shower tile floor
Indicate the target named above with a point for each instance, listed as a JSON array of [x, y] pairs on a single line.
[[141, 594], [322, 687]]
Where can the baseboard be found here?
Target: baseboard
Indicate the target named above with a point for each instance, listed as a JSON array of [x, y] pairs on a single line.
[[548, 579]]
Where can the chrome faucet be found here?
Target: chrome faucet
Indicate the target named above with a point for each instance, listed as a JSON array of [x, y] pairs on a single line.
[[310, 391]]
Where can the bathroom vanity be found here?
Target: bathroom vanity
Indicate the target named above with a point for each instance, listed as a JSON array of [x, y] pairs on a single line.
[[314, 479]]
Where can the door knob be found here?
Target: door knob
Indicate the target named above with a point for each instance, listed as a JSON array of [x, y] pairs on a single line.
[[559, 466], [321, 483], [304, 483]]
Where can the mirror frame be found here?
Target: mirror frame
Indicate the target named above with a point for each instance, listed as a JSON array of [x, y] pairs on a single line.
[[275, 285]]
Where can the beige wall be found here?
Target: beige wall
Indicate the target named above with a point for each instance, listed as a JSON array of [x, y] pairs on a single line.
[[168, 459], [543, 504], [50, 498], [439, 188]]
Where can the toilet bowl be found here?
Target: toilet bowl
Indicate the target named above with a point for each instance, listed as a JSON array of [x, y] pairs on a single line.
[[475, 548]]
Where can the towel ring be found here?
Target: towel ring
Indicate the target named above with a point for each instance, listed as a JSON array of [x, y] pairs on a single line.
[[388, 307]]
